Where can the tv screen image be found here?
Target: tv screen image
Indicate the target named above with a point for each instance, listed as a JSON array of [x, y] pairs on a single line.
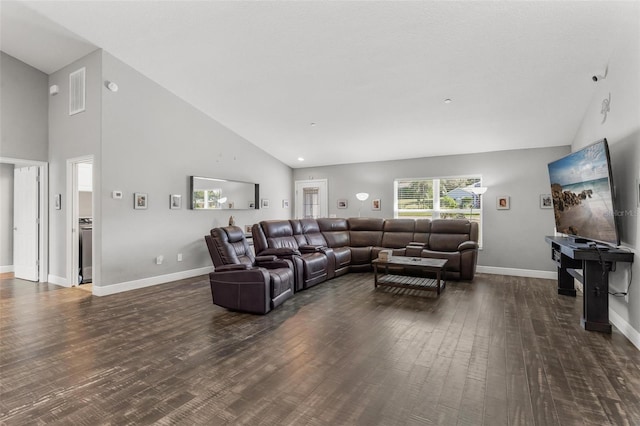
[[582, 193]]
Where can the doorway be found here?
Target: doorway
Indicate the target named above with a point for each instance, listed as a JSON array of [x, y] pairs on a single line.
[[311, 199], [80, 221], [24, 248]]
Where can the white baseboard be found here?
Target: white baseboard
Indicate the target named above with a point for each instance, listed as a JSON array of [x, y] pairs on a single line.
[[531, 273], [5, 269], [53, 279], [147, 282], [625, 328]]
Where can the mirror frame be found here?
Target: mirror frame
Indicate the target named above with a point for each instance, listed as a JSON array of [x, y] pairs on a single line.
[[192, 205]]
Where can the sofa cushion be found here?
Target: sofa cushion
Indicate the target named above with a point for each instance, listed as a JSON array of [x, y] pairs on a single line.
[[366, 224], [360, 255], [453, 258], [343, 257], [335, 232], [422, 231]]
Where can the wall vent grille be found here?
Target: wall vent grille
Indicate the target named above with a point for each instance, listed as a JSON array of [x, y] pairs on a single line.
[[77, 91]]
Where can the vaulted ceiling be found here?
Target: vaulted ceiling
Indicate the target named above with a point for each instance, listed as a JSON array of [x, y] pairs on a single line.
[[342, 82]]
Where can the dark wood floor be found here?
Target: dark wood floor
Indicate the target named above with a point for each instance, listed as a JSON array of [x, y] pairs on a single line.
[[500, 351]]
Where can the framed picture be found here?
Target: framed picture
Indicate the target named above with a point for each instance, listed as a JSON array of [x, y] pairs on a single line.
[[139, 200], [264, 203], [342, 203], [375, 204], [285, 204], [502, 202], [546, 202], [175, 201], [58, 201], [247, 229]]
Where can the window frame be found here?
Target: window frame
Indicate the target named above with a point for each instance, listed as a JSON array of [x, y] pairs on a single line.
[[436, 211]]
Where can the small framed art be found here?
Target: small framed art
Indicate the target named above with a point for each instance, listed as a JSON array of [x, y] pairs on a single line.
[[175, 202], [285, 204], [375, 204], [140, 201], [503, 203], [265, 203], [343, 203], [58, 201], [546, 202]]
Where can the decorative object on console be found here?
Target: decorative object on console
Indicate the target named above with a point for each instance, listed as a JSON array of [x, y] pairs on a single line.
[[362, 197], [265, 203], [502, 202], [343, 203], [375, 204], [175, 202], [546, 202], [140, 200], [247, 229], [232, 221]]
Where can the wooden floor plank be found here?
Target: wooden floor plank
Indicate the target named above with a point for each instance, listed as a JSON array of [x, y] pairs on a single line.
[[499, 351]]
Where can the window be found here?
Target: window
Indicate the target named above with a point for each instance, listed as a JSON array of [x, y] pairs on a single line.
[[439, 198]]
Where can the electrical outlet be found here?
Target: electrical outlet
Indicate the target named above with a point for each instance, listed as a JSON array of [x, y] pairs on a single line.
[[179, 257], [159, 260]]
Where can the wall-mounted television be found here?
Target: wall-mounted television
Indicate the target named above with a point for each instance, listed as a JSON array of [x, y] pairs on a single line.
[[583, 195]]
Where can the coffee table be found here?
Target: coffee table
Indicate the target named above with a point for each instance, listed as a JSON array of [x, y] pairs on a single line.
[[403, 264]]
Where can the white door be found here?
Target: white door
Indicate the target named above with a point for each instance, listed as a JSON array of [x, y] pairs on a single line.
[[25, 222], [311, 199]]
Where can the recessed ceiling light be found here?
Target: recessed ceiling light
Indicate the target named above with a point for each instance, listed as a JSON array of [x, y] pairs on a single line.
[[447, 101], [300, 159], [313, 124]]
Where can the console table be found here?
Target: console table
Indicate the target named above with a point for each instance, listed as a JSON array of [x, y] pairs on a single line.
[[595, 263]]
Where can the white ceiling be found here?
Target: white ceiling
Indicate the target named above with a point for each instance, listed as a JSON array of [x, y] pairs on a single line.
[[372, 75]]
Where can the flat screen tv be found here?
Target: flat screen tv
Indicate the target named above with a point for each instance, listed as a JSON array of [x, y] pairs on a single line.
[[583, 195]]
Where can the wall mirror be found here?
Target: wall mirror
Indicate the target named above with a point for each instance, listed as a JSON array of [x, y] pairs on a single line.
[[223, 194]]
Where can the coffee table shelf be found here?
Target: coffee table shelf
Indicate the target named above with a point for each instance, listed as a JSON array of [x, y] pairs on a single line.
[[401, 265]]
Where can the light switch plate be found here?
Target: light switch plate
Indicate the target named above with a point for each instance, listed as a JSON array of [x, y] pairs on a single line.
[[116, 195]]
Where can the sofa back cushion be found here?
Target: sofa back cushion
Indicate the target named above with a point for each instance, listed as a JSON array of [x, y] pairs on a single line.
[[398, 232], [422, 231], [279, 233], [447, 234], [365, 231], [230, 247], [311, 231], [335, 231]]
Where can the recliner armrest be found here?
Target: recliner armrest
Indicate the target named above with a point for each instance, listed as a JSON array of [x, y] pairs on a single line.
[[233, 267], [468, 245], [274, 264]]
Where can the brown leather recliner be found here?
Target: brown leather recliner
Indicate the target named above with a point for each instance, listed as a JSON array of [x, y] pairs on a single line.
[[243, 282]]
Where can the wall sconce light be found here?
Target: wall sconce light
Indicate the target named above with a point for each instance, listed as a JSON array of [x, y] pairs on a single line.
[[54, 90], [362, 196], [111, 86]]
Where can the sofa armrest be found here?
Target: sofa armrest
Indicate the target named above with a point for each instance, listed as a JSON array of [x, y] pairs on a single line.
[[414, 249], [275, 264], [468, 245], [267, 258], [307, 248], [233, 267], [280, 251]]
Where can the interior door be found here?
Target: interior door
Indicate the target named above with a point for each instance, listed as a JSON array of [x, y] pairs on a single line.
[[311, 199], [25, 222]]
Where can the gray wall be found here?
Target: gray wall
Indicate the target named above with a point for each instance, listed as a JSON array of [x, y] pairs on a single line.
[[152, 141], [23, 110], [70, 137], [23, 134], [6, 215], [622, 130], [512, 238]]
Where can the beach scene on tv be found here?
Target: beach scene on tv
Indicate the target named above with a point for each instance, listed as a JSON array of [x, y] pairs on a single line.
[[581, 193]]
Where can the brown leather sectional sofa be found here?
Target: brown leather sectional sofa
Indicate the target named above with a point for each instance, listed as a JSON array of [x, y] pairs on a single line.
[[321, 249]]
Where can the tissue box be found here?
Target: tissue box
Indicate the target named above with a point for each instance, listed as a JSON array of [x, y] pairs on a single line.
[[384, 255]]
